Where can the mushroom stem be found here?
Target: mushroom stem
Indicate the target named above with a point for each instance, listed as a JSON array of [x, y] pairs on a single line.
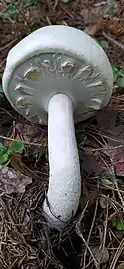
[[64, 177]]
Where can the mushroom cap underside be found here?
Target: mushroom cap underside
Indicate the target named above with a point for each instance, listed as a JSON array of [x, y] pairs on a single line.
[[57, 59]]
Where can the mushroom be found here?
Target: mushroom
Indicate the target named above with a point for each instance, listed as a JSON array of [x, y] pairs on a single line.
[[61, 75]]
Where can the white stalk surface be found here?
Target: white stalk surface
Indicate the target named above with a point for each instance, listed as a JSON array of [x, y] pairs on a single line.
[[64, 176]]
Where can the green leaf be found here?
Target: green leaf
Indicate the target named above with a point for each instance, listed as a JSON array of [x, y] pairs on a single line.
[[2, 147], [9, 152], [105, 182], [103, 44], [121, 72], [4, 152], [3, 158], [115, 72], [111, 10], [14, 21], [115, 69], [12, 7], [119, 224], [120, 82], [13, 12], [6, 16], [17, 146], [30, 3], [109, 176]]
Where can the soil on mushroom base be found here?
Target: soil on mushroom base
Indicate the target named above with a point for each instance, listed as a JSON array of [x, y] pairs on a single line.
[[98, 228]]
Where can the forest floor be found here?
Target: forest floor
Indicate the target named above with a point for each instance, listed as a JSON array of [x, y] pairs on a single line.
[[95, 238]]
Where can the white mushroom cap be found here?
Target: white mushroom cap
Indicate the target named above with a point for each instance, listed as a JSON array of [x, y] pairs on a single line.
[[57, 59]]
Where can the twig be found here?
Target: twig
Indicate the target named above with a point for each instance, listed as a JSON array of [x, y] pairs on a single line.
[[104, 148], [117, 254], [7, 112], [20, 235], [68, 13], [116, 184], [78, 231], [48, 20], [103, 3], [89, 235], [23, 141], [55, 5], [8, 45], [105, 232], [113, 41]]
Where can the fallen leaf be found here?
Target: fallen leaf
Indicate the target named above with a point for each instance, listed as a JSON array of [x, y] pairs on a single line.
[[118, 160], [90, 163], [93, 15], [116, 152], [119, 234], [12, 181], [91, 197], [102, 256], [93, 30], [103, 202], [107, 119], [114, 26]]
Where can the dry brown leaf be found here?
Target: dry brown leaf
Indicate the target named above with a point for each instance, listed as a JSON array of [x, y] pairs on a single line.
[[90, 163], [92, 15], [107, 119], [118, 159], [103, 202], [93, 30], [116, 152], [114, 26], [101, 255], [12, 181]]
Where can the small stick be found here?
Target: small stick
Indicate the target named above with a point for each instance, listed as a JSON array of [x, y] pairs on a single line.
[[23, 141], [90, 232], [117, 254], [78, 231], [113, 41], [105, 233]]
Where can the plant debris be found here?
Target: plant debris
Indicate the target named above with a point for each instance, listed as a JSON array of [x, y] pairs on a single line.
[[95, 237], [102, 256], [12, 181]]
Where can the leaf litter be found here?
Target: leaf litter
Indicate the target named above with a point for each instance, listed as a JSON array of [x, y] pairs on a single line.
[[94, 238], [12, 181]]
